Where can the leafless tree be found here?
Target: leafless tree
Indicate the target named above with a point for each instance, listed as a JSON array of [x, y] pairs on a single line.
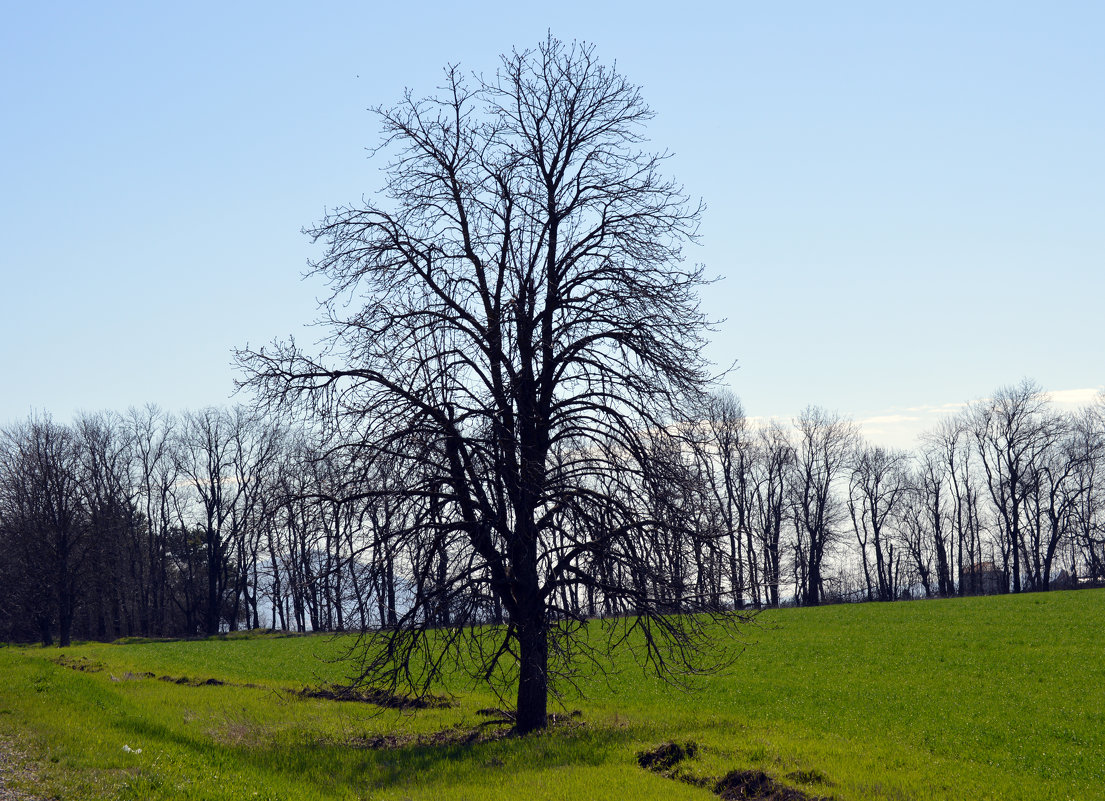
[[772, 468], [1058, 485], [221, 456], [948, 503], [825, 442], [727, 453], [1088, 514], [917, 539], [1013, 432], [150, 436], [513, 322], [42, 510], [117, 576], [878, 487]]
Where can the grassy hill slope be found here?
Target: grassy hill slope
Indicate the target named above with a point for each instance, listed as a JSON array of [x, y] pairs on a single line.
[[980, 698]]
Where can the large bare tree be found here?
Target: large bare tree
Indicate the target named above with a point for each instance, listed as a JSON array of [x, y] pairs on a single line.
[[512, 320]]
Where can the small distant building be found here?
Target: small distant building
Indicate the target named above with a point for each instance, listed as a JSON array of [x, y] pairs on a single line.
[[1064, 581], [982, 578]]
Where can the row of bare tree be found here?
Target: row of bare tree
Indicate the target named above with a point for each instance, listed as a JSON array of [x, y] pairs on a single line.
[[1007, 496], [150, 524]]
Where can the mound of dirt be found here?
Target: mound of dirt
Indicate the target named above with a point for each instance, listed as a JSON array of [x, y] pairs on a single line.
[[86, 665], [755, 785], [666, 756], [129, 676], [184, 681], [80, 663], [737, 785]]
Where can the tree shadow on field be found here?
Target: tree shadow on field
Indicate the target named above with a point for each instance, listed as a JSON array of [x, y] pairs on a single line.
[[381, 762]]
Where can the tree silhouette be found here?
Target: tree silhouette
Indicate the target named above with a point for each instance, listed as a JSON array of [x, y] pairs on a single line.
[[511, 320]]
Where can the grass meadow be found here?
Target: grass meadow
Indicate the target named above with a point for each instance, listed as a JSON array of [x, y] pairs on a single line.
[[976, 698]]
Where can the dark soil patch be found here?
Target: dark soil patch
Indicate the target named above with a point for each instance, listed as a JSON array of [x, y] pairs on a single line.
[[184, 681], [86, 665], [738, 785], [502, 716], [666, 756], [128, 676], [494, 712], [755, 785], [81, 663], [377, 697]]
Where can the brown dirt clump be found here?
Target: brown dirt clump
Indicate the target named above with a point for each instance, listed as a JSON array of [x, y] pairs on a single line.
[[83, 664], [737, 785], [755, 785], [80, 663]]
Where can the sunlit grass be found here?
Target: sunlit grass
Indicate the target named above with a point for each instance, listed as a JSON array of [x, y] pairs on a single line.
[[986, 698]]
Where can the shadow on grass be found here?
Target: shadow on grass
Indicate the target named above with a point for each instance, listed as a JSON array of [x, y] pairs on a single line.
[[461, 754], [377, 761]]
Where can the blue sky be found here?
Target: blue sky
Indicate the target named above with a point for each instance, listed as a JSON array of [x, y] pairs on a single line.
[[905, 202]]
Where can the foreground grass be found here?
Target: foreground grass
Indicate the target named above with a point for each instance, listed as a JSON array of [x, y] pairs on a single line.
[[984, 698]]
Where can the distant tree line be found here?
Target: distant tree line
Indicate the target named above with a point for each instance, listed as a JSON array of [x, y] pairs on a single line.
[[153, 524]]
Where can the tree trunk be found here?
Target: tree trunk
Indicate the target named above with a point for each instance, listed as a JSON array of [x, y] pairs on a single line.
[[214, 564], [65, 603], [44, 630], [533, 680]]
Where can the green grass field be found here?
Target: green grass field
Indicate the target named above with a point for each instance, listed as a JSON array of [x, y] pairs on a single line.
[[980, 698]]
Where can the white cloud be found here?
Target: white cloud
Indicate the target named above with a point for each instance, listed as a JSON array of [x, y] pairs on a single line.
[[902, 426], [885, 419], [899, 427], [942, 408], [1069, 399]]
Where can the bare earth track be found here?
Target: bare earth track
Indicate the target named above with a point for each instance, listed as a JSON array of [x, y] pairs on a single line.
[[14, 765]]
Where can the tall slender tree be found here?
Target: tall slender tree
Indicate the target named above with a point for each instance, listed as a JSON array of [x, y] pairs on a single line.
[[877, 488], [825, 442]]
